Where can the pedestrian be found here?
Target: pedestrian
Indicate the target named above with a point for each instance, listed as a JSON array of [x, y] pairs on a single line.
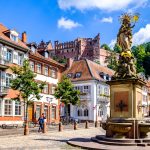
[[41, 122]]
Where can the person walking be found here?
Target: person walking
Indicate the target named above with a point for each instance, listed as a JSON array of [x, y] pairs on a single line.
[[41, 122]]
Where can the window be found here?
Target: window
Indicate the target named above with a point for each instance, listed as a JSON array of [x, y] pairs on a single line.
[[53, 73], [8, 107], [46, 54], [0, 107], [107, 77], [99, 90], [9, 55], [53, 89], [20, 58], [87, 89], [80, 88], [46, 70], [86, 112], [17, 108], [14, 38], [69, 75], [32, 65], [53, 112], [8, 78], [38, 111], [45, 89], [78, 75], [79, 112], [106, 92], [38, 68]]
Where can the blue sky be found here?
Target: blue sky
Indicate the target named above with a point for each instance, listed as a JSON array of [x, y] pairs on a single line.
[[65, 20]]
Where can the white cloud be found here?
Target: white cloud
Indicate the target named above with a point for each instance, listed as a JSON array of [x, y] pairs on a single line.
[[142, 36], [112, 43], [107, 20], [67, 23], [108, 5]]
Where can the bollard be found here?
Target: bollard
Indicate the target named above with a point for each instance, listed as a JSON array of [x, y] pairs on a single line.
[[86, 125], [75, 125], [100, 124], [26, 129], [96, 124], [44, 127], [60, 127]]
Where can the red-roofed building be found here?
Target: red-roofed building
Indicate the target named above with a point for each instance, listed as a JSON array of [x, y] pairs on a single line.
[[90, 78], [12, 52], [49, 71]]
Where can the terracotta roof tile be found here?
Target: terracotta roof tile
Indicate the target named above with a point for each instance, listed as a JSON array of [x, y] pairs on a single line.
[[89, 70], [47, 59], [6, 38]]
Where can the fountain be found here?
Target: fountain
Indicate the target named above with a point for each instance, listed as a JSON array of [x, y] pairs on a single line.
[[126, 125], [126, 119]]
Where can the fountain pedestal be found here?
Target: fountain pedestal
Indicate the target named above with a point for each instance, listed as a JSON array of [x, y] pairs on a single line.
[[125, 108]]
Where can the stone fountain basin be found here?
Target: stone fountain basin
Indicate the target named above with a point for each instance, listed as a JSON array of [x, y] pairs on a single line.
[[144, 127], [120, 127]]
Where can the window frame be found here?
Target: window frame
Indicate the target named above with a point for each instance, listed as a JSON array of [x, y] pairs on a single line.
[[39, 68], [46, 70], [32, 65], [53, 112], [9, 55], [18, 108], [10, 109]]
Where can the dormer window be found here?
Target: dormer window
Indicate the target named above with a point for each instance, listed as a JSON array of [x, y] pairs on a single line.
[[78, 75], [69, 75], [14, 35], [107, 77], [14, 38], [33, 49]]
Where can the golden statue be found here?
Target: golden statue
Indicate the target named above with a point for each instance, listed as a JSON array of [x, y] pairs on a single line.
[[126, 67]]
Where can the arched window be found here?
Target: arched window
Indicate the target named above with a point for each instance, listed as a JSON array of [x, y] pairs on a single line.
[[86, 112], [79, 112]]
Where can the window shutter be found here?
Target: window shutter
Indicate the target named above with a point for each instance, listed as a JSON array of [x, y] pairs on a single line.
[[4, 53], [15, 57], [50, 88]]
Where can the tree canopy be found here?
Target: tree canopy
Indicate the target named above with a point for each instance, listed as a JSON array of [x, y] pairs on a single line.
[[27, 87], [66, 93], [106, 47]]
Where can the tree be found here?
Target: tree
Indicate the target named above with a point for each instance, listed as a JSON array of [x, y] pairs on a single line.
[[111, 61], [27, 87], [106, 47], [139, 53], [67, 94], [146, 64], [117, 48]]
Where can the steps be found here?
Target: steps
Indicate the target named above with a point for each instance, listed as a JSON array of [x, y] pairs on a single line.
[[121, 142]]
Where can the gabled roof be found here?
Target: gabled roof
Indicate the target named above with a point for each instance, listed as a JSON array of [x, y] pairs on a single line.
[[4, 38], [47, 60], [89, 70]]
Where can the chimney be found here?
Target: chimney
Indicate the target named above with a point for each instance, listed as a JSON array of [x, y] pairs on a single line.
[[69, 62], [24, 37]]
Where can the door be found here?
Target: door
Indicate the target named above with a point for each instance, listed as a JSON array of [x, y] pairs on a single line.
[[30, 113]]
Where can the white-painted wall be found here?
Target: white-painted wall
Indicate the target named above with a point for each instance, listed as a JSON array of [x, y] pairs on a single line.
[[92, 102]]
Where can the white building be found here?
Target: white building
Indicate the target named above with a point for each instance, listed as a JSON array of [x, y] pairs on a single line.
[[90, 78]]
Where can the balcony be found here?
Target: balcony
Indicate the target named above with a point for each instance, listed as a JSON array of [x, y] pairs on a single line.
[[3, 90], [85, 96]]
